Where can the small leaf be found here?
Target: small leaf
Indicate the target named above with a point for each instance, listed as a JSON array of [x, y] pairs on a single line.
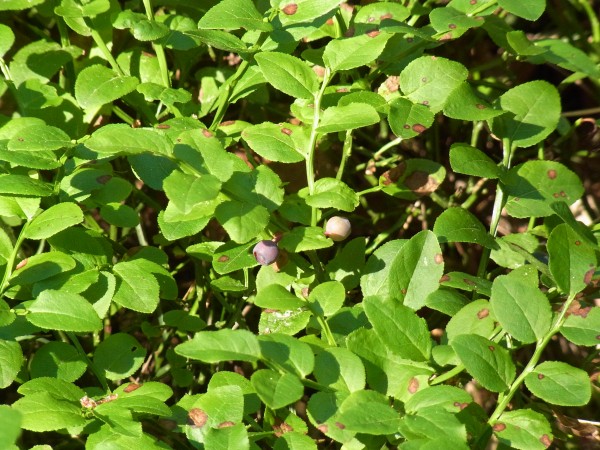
[[339, 369], [23, 185], [38, 139], [413, 178], [7, 39], [120, 139], [490, 364], [408, 119], [459, 225], [273, 142], [222, 345], [350, 117], [58, 310], [472, 161], [136, 289], [299, 11], [332, 193], [11, 360], [368, 412], [243, 221], [11, 418], [582, 329], [119, 356], [475, 317], [559, 383], [463, 103], [231, 256], [289, 74], [55, 219], [58, 360], [353, 52], [301, 239], [234, 14], [275, 296], [530, 10], [276, 390], [524, 429], [97, 85], [42, 412], [287, 353], [327, 298]]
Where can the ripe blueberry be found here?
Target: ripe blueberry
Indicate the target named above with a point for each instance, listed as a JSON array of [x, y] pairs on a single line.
[[265, 252], [338, 228]]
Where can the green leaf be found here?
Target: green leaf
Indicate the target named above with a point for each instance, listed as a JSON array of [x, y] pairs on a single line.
[[465, 104], [404, 333], [11, 424], [119, 356], [222, 345], [226, 437], [59, 310], [55, 219], [448, 398], [218, 39], [353, 52], [350, 117], [408, 119], [459, 225], [339, 369], [274, 142], [276, 390], [301, 239], [288, 322], [332, 193], [429, 80], [11, 360], [520, 307], [7, 39], [376, 279], [297, 11], [288, 74], [490, 364], [136, 290], [287, 353], [230, 257], [533, 112], [475, 317], [582, 329], [565, 55], [451, 23], [472, 161], [559, 383], [186, 192], [58, 360], [434, 423], [572, 261], [524, 429], [327, 298], [120, 139], [347, 265], [234, 14], [533, 187], [58, 389], [243, 221], [97, 85], [119, 215], [530, 10], [149, 30], [275, 296], [40, 267], [75, 9], [23, 185], [42, 412], [294, 440], [368, 412], [38, 139]]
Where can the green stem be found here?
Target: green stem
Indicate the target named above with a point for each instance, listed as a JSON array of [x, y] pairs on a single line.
[[370, 190], [448, 375], [386, 147], [12, 258], [312, 142], [346, 152], [104, 49], [540, 346], [93, 368], [594, 23]]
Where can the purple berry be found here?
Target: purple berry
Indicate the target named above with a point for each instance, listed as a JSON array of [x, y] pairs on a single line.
[[265, 252], [338, 228]]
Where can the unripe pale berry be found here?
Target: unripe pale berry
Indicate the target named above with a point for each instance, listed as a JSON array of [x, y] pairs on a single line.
[[338, 228], [265, 252]]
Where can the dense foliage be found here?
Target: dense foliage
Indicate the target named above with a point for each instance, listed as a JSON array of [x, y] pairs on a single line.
[[299, 224]]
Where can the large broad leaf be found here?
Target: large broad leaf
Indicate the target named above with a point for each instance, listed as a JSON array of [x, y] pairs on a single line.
[[459, 225], [530, 10], [54, 220], [520, 307], [222, 345], [349, 117], [97, 85], [416, 270], [11, 360], [233, 14], [559, 383], [42, 412], [345, 54], [490, 364], [288, 74], [58, 310], [533, 112], [533, 187], [524, 429], [430, 80], [404, 333], [572, 261]]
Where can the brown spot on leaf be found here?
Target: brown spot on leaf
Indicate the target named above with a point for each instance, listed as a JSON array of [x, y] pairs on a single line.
[[425, 102], [483, 313], [132, 387], [329, 22], [227, 123], [20, 139], [223, 258], [226, 424], [323, 428], [197, 417], [372, 33], [163, 126], [418, 128], [280, 427], [286, 131], [473, 2], [386, 16], [541, 376], [393, 175], [410, 40], [578, 243], [469, 282], [444, 278], [479, 106], [546, 441], [403, 291], [370, 19], [22, 264], [341, 426], [406, 126], [552, 174], [290, 9], [103, 179], [499, 427], [207, 133], [438, 258], [556, 195], [562, 194], [492, 348], [587, 278], [342, 90], [446, 37], [424, 80], [452, 26], [413, 385], [393, 83]]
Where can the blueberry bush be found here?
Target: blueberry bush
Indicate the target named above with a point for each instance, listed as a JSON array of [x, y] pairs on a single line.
[[299, 224]]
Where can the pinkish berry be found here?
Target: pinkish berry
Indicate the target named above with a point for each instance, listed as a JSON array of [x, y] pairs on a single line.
[[338, 228], [265, 252]]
